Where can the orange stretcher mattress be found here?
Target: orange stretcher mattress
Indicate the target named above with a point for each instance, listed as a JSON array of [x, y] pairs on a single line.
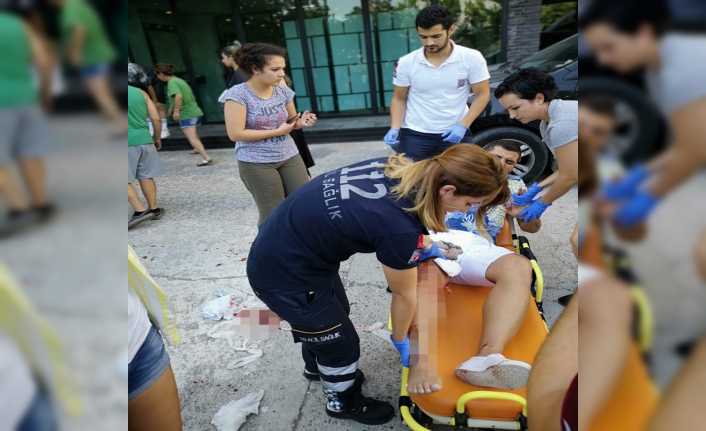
[[635, 396], [460, 308]]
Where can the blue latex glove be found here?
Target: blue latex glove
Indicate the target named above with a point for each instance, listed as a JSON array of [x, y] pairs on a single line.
[[392, 137], [626, 186], [534, 211], [636, 209], [526, 198], [403, 348], [431, 252], [454, 134]]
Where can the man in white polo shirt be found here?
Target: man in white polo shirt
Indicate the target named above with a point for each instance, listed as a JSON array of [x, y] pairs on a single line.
[[429, 110]]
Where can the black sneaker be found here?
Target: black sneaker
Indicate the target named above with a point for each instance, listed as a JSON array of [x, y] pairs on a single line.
[[139, 217], [352, 404], [157, 212], [16, 221], [45, 212]]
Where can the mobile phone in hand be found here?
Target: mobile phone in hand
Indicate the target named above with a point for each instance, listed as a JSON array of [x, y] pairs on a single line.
[[292, 119]]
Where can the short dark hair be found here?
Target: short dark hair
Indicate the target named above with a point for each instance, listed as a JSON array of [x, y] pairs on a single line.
[[164, 68], [433, 15], [599, 104], [253, 56], [527, 83], [627, 16], [513, 146]]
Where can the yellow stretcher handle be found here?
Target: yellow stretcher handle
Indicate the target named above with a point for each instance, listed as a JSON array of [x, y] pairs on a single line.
[[646, 320], [489, 395]]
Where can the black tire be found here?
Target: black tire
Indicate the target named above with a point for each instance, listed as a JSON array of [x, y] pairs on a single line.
[[535, 154]]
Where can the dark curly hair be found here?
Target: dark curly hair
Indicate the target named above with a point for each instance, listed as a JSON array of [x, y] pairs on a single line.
[[433, 15], [627, 16], [252, 56], [527, 83]]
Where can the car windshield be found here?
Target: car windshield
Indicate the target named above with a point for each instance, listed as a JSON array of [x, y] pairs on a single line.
[[554, 56]]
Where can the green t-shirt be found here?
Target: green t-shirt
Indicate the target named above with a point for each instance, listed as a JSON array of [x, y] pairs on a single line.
[[138, 132], [96, 46], [16, 84], [189, 107]]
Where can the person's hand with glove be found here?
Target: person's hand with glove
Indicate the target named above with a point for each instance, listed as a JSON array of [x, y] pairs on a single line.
[[627, 186], [636, 209], [524, 199], [454, 134], [392, 137], [533, 211], [442, 249], [403, 348]]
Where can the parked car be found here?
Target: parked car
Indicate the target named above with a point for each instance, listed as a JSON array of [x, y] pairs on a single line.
[[559, 30], [561, 61]]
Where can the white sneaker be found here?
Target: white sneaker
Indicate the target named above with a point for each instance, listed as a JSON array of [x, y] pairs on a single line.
[[494, 371]]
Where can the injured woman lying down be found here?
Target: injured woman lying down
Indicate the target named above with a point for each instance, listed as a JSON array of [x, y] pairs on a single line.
[[482, 263]]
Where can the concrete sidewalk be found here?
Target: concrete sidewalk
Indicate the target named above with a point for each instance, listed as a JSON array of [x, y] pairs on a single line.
[[199, 248]]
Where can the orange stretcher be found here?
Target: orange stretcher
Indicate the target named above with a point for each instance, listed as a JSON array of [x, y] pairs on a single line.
[[459, 404], [635, 395]]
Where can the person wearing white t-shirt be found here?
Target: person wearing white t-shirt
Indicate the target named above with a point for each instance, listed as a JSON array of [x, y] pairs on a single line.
[[429, 110], [529, 95]]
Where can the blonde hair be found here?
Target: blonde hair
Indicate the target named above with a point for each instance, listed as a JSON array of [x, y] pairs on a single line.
[[469, 168]]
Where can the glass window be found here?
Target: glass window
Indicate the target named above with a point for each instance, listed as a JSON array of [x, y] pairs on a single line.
[[394, 35], [334, 32]]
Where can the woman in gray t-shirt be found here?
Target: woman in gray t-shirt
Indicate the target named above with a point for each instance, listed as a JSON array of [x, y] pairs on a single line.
[[529, 95], [259, 115]]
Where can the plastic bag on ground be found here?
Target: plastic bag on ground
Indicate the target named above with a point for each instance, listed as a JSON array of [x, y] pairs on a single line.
[[233, 415], [224, 307]]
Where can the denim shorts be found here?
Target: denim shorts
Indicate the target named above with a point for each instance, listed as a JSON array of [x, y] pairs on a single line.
[[94, 70], [148, 365], [41, 415], [189, 122]]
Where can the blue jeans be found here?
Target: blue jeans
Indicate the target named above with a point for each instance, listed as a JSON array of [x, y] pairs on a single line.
[[420, 146], [148, 365]]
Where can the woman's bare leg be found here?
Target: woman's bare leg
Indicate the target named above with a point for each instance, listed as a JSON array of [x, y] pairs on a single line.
[[506, 306], [605, 315], [157, 408], [553, 369], [195, 141]]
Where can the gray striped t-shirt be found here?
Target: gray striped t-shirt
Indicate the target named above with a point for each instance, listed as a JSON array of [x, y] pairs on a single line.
[[263, 114]]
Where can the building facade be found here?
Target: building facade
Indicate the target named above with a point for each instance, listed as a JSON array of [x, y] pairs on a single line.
[[341, 53]]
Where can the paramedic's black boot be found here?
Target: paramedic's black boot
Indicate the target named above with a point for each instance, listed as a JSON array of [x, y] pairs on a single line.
[[352, 404]]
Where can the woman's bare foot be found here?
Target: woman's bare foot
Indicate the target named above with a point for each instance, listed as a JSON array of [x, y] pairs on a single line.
[[423, 379]]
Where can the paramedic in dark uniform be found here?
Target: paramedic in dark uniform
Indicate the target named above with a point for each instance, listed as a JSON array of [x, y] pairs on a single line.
[[382, 206]]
